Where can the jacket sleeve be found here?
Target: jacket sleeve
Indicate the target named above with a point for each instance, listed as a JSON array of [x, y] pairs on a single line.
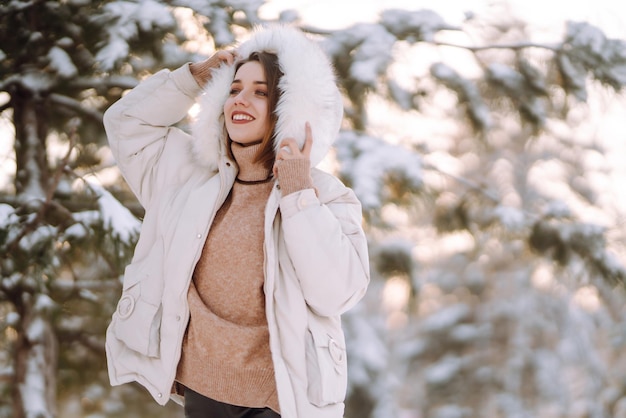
[[327, 246], [140, 132]]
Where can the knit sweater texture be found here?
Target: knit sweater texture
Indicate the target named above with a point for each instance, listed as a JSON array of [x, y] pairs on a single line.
[[226, 354]]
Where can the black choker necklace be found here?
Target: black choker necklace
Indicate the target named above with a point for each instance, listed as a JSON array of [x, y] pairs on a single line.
[[238, 180], [249, 144]]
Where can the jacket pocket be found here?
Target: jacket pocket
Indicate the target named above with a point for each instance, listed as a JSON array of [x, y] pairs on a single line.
[[327, 370], [137, 318]]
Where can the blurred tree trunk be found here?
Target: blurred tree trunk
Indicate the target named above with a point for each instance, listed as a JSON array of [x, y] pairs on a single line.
[[36, 351], [36, 348], [30, 145]]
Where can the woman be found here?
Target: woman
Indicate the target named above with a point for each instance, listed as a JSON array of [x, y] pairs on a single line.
[[247, 255]]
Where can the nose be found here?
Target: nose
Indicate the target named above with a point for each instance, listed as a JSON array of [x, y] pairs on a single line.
[[241, 98]]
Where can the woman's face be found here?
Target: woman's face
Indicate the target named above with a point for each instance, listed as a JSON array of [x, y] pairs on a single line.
[[246, 109]]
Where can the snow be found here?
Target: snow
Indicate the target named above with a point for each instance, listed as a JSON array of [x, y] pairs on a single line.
[[115, 217], [510, 217], [445, 318], [606, 57], [12, 319], [403, 97], [72, 323], [128, 18], [41, 236], [87, 217], [89, 295], [61, 62], [511, 80], [373, 54], [35, 331], [36, 82], [574, 75], [34, 388], [76, 231], [465, 333], [367, 353], [116, 49], [44, 303], [424, 23], [592, 38], [467, 92], [11, 282], [366, 161], [557, 209], [7, 215], [451, 411], [443, 371]]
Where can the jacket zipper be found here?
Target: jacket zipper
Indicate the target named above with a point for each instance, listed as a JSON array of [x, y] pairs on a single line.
[[276, 349], [218, 202]]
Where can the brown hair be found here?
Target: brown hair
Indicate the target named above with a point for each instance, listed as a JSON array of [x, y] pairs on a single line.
[[271, 68]]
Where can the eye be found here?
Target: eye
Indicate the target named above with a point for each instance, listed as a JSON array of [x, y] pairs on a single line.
[[261, 93], [234, 91]]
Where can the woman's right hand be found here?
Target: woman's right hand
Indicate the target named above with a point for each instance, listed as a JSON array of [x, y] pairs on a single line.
[[201, 71]]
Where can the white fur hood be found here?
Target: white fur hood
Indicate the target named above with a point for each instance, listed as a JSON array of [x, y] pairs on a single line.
[[308, 93]]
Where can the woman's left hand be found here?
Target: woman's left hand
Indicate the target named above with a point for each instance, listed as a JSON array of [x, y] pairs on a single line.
[[289, 149]]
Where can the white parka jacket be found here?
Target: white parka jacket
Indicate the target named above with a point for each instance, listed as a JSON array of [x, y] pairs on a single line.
[[316, 261]]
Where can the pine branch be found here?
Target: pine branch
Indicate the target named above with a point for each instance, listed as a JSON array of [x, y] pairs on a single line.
[[98, 83], [48, 203], [105, 283], [75, 105], [18, 6], [464, 181], [514, 46]]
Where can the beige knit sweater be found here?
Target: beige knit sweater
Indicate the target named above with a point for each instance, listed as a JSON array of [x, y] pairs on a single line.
[[226, 354]]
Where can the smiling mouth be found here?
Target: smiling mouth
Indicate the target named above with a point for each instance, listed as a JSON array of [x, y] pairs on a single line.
[[242, 117]]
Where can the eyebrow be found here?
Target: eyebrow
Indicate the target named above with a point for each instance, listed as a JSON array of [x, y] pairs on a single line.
[[254, 82]]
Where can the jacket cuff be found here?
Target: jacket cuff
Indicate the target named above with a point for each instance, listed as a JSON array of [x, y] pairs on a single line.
[[185, 82], [294, 175], [297, 202]]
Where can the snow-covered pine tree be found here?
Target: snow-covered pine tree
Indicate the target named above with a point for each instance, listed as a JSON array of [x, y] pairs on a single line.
[[64, 238], [489, 217]]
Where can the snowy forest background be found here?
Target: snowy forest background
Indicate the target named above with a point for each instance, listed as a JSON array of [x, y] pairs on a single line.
[[496, 233]]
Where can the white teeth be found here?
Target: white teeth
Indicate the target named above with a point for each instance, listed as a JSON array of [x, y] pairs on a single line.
[[241, 116]]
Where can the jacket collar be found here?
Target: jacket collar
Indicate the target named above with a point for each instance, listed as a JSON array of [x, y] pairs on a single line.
[[309, 93]]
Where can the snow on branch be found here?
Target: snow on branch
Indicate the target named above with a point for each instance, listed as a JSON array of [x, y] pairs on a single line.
[[370, 164], [61, 62], [562, 238], [75, 105], [123, 21], [123, 82], [373, 54], [467, 93], [115, 217], [221, 15], [418, 25], [587, 48]]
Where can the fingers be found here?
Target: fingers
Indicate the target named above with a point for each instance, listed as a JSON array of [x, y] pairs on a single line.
[[308, 140], [223, 56], [289, 147], [227, 56], [201, 71]]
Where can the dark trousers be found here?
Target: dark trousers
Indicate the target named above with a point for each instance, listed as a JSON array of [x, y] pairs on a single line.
[[199, 406]]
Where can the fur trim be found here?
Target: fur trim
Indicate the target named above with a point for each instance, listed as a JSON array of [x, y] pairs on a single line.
[[209, 132], [309, 93]]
